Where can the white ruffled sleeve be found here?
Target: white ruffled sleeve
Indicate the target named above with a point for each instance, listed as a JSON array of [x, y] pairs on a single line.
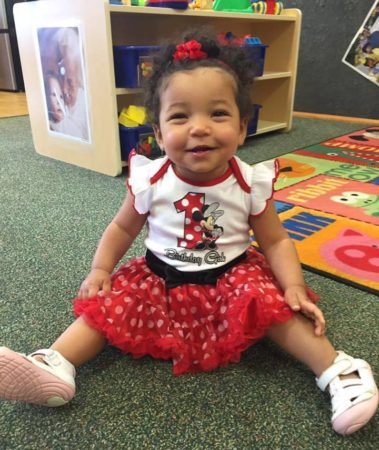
[[141, 170], [264, 175]]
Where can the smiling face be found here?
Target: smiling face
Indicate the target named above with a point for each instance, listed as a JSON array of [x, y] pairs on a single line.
[[199, 123], [55, 100]]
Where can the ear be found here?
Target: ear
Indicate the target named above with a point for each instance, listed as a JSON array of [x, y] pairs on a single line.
[[243, 131], [158, 135]]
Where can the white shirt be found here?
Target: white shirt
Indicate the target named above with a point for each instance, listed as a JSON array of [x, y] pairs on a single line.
[[199, 226]]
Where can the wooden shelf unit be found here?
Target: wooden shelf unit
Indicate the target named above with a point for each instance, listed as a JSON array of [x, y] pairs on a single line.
[[102, 26]]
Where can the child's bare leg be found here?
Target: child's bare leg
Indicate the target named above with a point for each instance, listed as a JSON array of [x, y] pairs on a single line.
[[79, 342], [297, 337]]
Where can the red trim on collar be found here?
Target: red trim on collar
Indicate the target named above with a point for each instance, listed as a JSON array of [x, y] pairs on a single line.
[[237, 173], [213, 182], [160, 172]]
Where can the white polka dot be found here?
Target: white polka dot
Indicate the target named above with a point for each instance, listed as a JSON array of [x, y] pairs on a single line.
[[155, 291], [143, 286], [221, 328], [134, 286], [225, 323], [140, 308], [107, 302], [140, 323], [110, 320], [204, 346], [193, 310], [185, 202], [208, 305], [181, 334], [197, 228], [232, 279], [213, 337], [223, 309], [189, 237], [127, 299], [133, 322], [119, 310], [183, 311], [179, 297], [103, 310], [150, 324], [196, 293], [160, 323], [202, 335], [211, 317], [206, 356], [171, 314], [187, 221]]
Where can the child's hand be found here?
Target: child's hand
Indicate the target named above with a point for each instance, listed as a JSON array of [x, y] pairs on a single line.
[[296, 297], [97, 280]]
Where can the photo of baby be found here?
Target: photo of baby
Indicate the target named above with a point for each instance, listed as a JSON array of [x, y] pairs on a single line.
[[363, 52], [63, 78]]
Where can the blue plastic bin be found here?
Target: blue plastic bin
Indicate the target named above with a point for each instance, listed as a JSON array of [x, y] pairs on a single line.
[[127, 63], [256, 51], [137, 138], [253, 123], [129, 138]]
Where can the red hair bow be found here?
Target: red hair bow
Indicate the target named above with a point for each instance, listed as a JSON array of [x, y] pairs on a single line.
[[189, 50]]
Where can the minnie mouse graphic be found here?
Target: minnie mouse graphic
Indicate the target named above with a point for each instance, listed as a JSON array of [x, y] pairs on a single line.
[[211, 232]]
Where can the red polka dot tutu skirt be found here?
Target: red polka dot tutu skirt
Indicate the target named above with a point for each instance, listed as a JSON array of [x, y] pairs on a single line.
[[199, 327]]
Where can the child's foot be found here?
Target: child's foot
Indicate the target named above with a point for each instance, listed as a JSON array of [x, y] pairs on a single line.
[[43, 378], [355, 398]]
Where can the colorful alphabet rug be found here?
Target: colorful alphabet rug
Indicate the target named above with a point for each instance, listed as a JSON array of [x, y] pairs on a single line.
[[327, 196]]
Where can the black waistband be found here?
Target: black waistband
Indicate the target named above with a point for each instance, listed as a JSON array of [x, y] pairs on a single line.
[[174, 277]]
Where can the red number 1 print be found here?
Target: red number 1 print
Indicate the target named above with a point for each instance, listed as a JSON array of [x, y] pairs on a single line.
[[192, 233]]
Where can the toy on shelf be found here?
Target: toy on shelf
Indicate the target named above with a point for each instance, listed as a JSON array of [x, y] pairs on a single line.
[[175, 4], [254, 49], [266, 7], [120, 2], [232, 5], [201, 4], [249, 6], [139, 2], [132, 116]]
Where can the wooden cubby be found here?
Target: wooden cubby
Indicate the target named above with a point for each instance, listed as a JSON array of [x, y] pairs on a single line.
[[103, 25]]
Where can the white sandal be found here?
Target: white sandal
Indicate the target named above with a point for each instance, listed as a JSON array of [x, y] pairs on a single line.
[[354, 400], [25, 378]]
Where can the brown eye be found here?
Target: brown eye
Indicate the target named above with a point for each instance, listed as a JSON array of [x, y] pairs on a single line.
[[220, 113], [177, 116]]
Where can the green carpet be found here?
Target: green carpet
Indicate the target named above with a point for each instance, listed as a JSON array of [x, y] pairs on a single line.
[[51, 217]]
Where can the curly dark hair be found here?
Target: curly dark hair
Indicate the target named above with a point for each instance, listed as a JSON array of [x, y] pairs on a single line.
[[230, 58]]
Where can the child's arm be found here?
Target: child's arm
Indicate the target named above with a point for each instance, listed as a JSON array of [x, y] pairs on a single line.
[[281, 255], [114, 243]]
